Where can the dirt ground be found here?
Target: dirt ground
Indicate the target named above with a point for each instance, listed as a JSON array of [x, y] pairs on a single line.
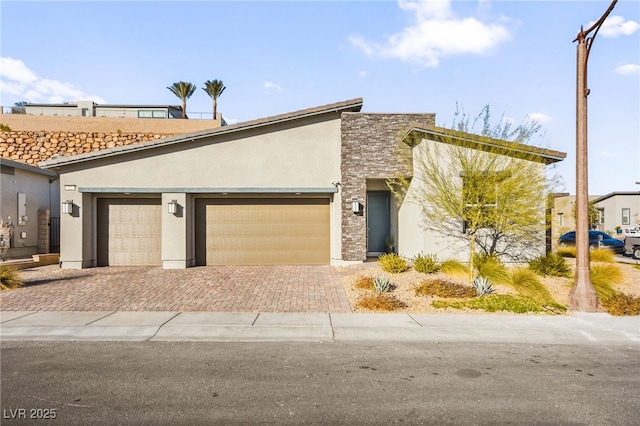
[[405, 283]]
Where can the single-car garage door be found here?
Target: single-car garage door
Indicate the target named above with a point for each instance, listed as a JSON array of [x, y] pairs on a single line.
[[262, 231], [129, 232]]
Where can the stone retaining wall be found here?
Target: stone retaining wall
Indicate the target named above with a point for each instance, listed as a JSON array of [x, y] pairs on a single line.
[[33, 147]]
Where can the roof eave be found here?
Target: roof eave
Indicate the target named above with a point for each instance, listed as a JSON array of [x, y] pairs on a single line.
[[536, 154]]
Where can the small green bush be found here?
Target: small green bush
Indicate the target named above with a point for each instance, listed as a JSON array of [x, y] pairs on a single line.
[[426, 264], [380, 302], [443, 288], [9, 278], [4, 128], [392, 263], [494, 303], [551, 264], [382, 284]]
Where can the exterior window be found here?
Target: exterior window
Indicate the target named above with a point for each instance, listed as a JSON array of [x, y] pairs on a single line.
[[147, 113], [560, 219], [626, 216], [601, 216]]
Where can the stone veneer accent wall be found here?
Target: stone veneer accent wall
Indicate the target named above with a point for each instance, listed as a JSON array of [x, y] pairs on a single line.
[[33, 147], [368, 145]]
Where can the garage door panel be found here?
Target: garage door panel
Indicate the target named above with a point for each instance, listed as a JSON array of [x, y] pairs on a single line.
[[249, 231], [129, 232]]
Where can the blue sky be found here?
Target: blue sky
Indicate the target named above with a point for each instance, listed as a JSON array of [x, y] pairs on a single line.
[[518, 57]]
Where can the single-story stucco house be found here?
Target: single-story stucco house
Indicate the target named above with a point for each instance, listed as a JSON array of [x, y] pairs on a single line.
[[307, 187], [29, 196]]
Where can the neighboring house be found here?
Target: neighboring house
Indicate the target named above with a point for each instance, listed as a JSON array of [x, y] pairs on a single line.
[[92, 109], [618, 210], [562, 217], [308, 187], [29, 198]]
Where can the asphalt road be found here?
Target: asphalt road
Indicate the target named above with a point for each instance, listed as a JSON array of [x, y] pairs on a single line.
[[193, 383]]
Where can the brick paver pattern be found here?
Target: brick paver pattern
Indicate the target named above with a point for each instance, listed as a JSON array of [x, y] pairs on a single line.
[[207, 288]]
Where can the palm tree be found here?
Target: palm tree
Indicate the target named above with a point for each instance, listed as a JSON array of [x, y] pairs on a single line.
[[214, 89], [183, 90]]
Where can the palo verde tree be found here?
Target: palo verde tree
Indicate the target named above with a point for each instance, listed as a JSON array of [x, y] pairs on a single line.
[[214, 89], [183, 90], [486, 189]]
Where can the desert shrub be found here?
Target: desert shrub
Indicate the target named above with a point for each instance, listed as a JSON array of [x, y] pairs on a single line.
[[621, 304], [483, 286], [601, 255], [9, 278], [489, 266], [494, 303], [567, 251], [426, 264], [606, 273], [443, 288], [527, 283], [380, 302], [364, 283], [382, 284], [455, 269], [392, 263], [550, 264]]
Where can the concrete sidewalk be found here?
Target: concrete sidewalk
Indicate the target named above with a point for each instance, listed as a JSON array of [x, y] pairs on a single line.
[[578, 328]]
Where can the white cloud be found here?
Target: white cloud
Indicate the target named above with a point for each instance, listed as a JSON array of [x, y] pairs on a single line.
[[362, 74], [607, 154], [615, 26], [628, 69], [18, 82], [272, 86], [539, 117], [436, 33]]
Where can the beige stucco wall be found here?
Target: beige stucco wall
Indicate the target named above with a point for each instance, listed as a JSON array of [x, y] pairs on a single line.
[[39, 195], [415, 238], [285, 157], [613, 212], [38, 123]]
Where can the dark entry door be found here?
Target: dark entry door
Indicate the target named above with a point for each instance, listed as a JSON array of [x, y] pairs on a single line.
[[378, 222]]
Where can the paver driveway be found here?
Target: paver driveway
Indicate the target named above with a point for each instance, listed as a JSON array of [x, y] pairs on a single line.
[[206, 288]]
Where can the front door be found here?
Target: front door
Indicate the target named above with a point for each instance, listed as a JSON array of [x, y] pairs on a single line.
[[378, 222]]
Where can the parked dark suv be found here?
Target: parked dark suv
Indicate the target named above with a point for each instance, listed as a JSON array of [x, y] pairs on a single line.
[[596, 239]]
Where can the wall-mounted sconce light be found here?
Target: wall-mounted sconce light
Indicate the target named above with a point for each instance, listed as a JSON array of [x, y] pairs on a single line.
[[172, 206], [67, 207], [355, 205]]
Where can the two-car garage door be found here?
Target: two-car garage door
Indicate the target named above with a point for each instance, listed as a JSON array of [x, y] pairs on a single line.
[[262, 231]]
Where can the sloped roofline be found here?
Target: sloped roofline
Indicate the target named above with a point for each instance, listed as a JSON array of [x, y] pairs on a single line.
[[26, 167], [512, 149], [353, 105], [614, 194]]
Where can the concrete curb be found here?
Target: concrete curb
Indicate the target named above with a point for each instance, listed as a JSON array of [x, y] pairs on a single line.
[[578, 328]]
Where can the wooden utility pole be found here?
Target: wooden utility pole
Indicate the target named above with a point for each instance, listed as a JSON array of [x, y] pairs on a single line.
[[583, 296]]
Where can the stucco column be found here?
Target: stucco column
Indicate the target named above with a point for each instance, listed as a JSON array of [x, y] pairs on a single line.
[[174, 231], [75, 238]]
